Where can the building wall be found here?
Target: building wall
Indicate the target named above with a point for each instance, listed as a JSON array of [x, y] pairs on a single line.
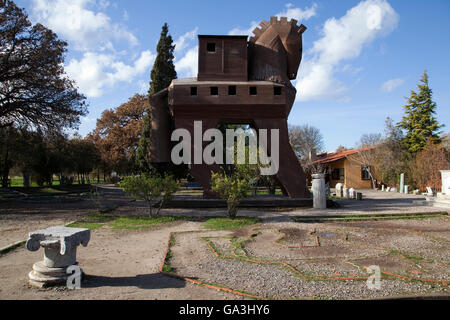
[[227, 62], [352, 172], [336, 165], [353, 175]]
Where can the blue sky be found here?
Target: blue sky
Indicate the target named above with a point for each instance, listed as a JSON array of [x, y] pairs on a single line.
[[360, 61]]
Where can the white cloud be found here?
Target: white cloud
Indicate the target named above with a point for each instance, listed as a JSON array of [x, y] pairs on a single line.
[[342, 39], [96, 72], [244, 32], [290, 12], [186, 60], [144, 86], [182, 42], [73, 21], [392, 84], [188, 65], [98, 66], [298, 14], [103, 4], [87, 120]]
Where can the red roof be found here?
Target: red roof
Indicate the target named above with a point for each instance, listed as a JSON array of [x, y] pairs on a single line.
[[332, 157]]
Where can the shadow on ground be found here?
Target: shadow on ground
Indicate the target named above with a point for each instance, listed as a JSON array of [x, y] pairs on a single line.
[[142, 281]]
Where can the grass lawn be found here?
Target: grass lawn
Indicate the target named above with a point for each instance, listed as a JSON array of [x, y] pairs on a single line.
[[371, 217], [54, 190], [85, 225], [93, 221], [96, 220], [132, 223], [223, 223], [18, 182]]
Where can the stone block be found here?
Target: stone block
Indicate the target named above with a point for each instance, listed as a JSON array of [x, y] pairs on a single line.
[[339, 188]]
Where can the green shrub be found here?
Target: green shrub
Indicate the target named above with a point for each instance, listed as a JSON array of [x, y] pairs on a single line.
[[154, 189], [233, 187]]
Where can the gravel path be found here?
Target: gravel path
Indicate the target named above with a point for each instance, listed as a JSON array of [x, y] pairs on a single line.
[[335, 259]]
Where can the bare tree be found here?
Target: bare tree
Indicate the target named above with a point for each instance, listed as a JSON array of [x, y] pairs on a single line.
[[340, 149], [446, 141], [305, 139], [368, 140], [367, 156]]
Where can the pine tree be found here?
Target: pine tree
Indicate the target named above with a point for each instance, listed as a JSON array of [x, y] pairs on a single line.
[[418, 121], [162, 74]]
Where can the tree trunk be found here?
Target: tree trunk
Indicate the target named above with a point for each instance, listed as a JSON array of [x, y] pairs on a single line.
[[5, 175], [26, 179], [372, 180], [5, 171], [150, 212], [272, 190], [232, 208], [5, 166]]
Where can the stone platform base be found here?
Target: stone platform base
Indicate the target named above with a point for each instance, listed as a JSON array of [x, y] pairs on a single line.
[[441, 201], [42, 276], [251, 202]]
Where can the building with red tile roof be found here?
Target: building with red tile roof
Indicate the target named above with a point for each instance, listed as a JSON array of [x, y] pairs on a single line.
[[346, 167]]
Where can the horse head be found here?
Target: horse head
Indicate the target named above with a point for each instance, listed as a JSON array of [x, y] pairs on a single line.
[[276, 50]]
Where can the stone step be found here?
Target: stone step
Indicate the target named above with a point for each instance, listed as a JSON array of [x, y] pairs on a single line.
[[443, 196], [441, 204], [434, 202], [246, 203]]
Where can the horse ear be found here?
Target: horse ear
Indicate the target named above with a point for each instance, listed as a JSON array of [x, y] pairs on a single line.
[[301, 29], [257, 32]]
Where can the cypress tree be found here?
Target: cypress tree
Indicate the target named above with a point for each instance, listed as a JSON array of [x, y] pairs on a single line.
[[418, 121], [163, 71], [162, 74], [142, 152]]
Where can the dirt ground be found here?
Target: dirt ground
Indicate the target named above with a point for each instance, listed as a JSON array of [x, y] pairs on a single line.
[[119, 265], [277, 258]]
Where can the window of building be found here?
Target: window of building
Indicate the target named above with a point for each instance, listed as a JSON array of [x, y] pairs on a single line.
[[211, 47], [338, 174], [193, 91], [253, 91], [277, 91], [232, 90], [335, 174], [214, 91], [365, 173]]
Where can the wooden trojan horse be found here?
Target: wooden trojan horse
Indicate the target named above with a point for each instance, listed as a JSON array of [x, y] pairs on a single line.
[[238, 82]]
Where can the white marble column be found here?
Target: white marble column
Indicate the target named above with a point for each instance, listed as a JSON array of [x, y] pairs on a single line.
[[402, 183], [319, 192]]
